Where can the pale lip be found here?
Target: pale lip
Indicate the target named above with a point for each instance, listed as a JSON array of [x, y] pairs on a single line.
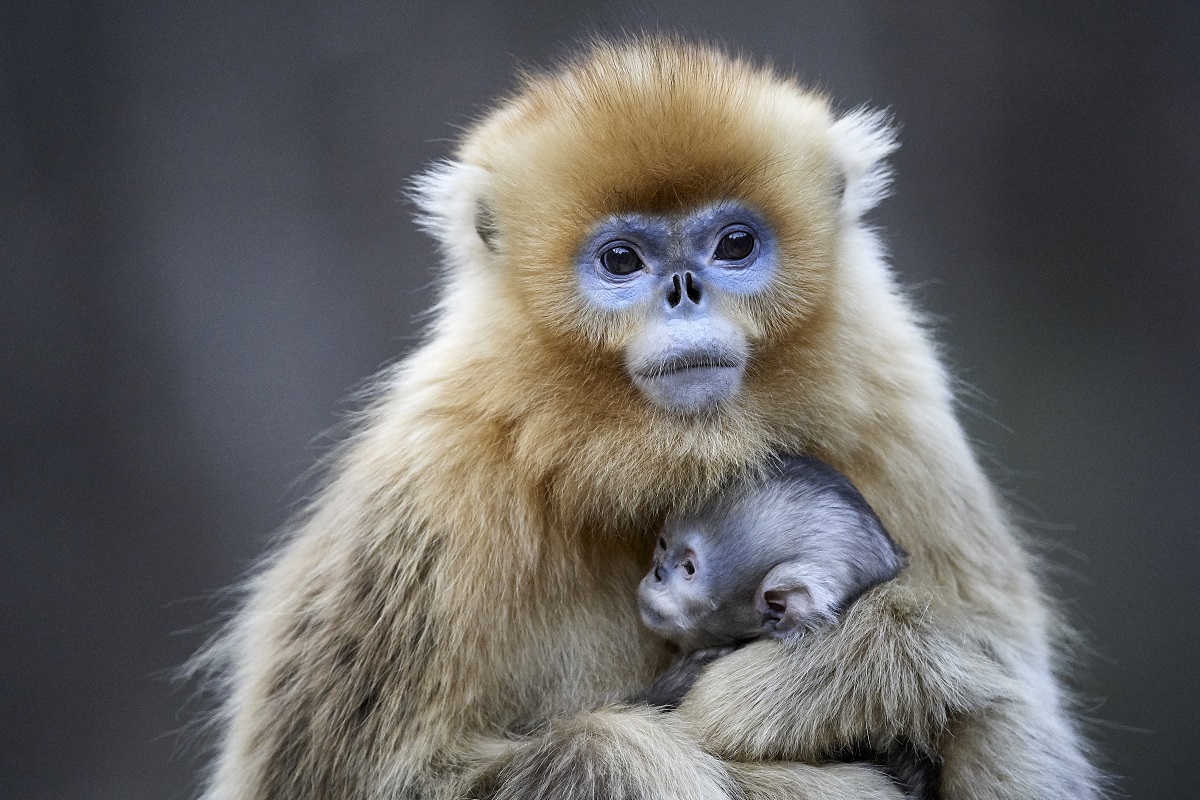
[[653, 619], [689, 361], [690, 385]]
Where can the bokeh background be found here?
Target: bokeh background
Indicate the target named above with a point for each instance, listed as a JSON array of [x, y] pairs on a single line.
[[204, 248]]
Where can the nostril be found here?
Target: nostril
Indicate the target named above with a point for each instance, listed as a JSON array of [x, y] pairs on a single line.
[[674, 294], [657, 571], [693, 288]]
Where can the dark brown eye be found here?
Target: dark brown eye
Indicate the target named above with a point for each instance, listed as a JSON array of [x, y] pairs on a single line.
[[620, 260], [689, 567], [734, 246]]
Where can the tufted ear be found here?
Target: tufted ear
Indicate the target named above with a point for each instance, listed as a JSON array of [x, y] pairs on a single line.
[[862, 141], [453, 207]]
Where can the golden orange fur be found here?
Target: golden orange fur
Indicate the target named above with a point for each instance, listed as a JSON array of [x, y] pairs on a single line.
[[470, 569]]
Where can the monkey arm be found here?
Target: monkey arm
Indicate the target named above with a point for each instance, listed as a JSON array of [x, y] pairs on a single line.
[[612, 752], [889, 668], [895, 668], [622, 752]]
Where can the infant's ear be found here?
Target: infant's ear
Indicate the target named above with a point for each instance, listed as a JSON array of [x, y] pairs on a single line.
[[792, 599]]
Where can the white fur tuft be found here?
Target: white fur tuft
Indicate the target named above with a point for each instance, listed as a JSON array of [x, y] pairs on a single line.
[[862, 140], [448, 196]]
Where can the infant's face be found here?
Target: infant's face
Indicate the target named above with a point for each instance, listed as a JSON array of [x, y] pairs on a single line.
[[686, 595]]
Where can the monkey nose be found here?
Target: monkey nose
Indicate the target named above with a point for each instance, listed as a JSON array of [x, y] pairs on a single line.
[[684, 289], [658, 571]]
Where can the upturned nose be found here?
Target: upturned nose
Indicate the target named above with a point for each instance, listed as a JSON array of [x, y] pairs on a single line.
[[684, 290]]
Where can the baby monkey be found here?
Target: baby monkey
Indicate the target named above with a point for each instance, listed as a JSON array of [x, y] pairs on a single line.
[[772, 558]]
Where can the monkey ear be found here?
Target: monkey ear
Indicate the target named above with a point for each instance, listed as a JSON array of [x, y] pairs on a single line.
[[485, 225], [862, 141], [454, 207], [792, 598]]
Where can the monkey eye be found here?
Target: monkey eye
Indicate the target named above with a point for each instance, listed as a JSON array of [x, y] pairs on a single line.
[[620, 259], [735, 245], [689, 567]]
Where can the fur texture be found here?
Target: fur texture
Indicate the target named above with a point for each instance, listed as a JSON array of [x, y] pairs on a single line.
[[470, 570]]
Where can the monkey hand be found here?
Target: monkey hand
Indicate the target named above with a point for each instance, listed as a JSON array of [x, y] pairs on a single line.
[[707, 655], [611, 753], [675, 681]]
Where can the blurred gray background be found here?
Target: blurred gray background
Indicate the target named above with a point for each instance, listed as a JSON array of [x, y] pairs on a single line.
[[204, 249]]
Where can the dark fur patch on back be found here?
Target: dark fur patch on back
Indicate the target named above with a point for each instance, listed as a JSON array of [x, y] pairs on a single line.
[[343, 659]]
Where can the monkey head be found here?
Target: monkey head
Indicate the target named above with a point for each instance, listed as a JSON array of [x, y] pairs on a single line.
[[665, 215], [701, 592], [689, 599]]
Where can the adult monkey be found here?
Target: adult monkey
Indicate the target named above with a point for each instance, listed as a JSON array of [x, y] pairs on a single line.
[[658, 277]]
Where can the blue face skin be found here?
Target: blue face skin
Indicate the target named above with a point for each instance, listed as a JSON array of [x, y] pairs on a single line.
[[688, 357]]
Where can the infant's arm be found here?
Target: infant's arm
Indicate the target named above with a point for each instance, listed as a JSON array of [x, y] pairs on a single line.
[[668, 689]]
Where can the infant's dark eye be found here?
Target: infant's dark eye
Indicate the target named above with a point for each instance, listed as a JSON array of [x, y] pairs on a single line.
[[689, 567], [734, 246], [620, 260], [662, 543]]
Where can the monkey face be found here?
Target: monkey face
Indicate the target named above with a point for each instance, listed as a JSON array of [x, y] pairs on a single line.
[[689, 597], [679, 276], [672, 597]]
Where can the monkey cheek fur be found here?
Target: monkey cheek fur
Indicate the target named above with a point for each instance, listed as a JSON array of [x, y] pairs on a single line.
[[691, 390]]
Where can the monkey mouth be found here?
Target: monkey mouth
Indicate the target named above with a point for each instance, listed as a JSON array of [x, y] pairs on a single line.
[[654, 619], [690, 379], [691, 384], [689, 361]]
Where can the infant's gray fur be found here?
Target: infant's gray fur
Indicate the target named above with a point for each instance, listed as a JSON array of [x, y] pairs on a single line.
[[772, 558]]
